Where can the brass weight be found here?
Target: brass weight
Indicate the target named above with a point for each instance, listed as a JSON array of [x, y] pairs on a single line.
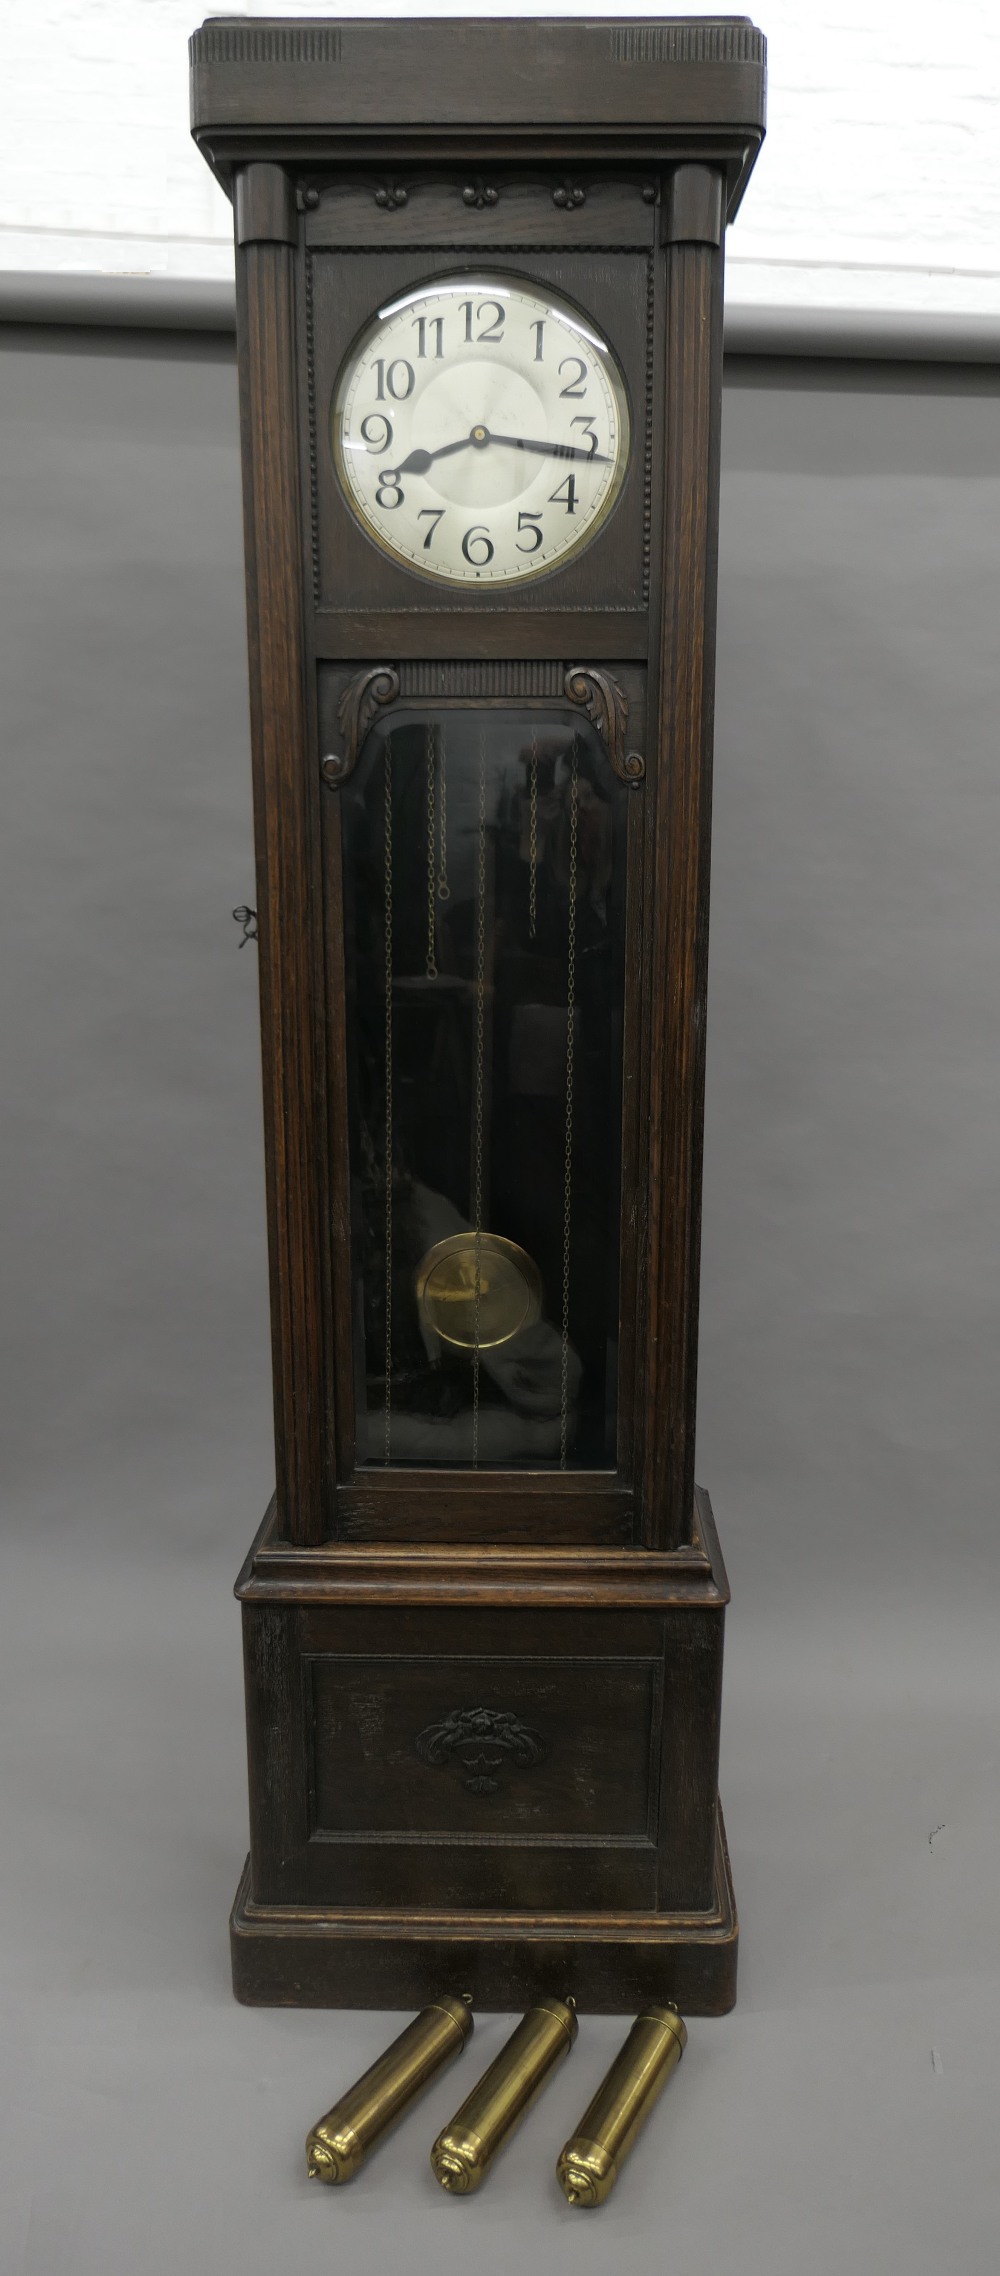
[[591, 2162], [338, 2145], [462, 2155]]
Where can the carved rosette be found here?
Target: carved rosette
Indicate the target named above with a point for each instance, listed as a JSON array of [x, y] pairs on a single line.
[[606, 704], [480, 193], [362, 699], [482, 1741]]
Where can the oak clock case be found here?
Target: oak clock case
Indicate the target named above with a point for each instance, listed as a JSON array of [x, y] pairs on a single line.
[[483, 1617]]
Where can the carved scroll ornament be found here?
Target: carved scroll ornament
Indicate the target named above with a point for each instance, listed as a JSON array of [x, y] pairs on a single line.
[[607, 705], [362, 698], [593, 691]]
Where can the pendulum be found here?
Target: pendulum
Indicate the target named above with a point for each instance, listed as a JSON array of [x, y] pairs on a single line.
[[510, 1291]]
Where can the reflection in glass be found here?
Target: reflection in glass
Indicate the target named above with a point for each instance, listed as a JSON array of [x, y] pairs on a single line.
[[484, 864]]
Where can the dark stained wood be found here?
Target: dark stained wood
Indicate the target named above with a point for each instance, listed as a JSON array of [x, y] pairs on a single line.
[[391, 1506], [340, 1398], [528, 87], [610, 1962], [288, 885], [369, 1776], [681, 879], [612, 213], [274, 1738], [694, 206], [556, 1637], [425, 1573], [264, 209], [613, 1802], [432, 632]]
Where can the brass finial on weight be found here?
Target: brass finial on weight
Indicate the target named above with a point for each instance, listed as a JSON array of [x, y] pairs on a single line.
[[338, 2145], [463, 2153], [591, 2162]]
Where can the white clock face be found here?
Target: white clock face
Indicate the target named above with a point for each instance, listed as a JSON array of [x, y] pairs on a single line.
[[480, 430]]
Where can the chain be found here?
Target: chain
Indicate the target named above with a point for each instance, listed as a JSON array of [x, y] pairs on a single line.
[[431, 859], [438, 888], [443, 887], [533, 836], [387, 930], [568, 1144], [480, 1072]]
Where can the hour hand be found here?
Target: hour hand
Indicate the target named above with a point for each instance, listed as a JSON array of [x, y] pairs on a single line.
[[419, 460]]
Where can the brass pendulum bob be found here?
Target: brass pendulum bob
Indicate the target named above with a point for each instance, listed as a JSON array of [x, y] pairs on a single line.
[[462, 2155], [338, 2145], [591, 2162]]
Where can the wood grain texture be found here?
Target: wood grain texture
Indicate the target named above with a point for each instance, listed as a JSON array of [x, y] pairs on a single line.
[[476, 632], [288, 881], [614, 1802], [437, 1572], [610, 1963], [681, 881], [436, 210]]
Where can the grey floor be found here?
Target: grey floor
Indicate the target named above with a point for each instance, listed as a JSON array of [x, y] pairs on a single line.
[[844, 2117]]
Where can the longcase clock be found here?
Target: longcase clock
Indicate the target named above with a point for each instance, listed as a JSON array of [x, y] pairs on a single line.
[[480, 345]]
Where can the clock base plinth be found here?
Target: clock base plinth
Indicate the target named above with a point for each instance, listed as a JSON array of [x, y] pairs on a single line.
[[309, 1956]]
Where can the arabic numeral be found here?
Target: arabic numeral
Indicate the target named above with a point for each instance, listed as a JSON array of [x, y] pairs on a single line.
[[480, 537], [589, 430], [565, 495], [493, 331], [420, 325], [538, 328], [575, 386], [389, 381], [529, 523], [389, 492], [377, 442], [433, 515]]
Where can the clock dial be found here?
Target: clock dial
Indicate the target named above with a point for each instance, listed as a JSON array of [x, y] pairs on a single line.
[[480, 430]]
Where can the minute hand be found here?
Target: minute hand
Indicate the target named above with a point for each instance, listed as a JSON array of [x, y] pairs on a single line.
[[551, 450]]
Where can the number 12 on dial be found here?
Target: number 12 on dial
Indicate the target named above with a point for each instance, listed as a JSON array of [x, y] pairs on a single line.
[[480, 430]]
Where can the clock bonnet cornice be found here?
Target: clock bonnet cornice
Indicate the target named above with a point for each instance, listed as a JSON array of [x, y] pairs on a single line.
[[608, 150], [479, 89]]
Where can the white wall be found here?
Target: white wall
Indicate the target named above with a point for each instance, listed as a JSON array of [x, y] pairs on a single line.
[[878, 185]]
